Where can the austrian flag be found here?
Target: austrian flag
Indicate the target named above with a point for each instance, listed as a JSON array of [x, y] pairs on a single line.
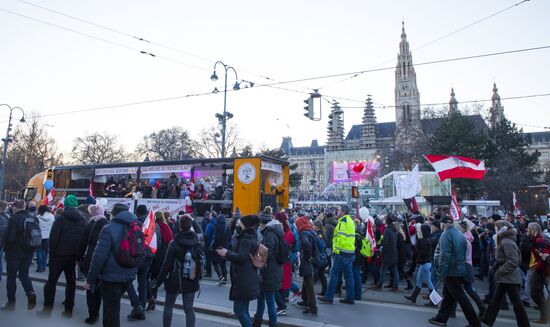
[[149, 226], [456, 167]]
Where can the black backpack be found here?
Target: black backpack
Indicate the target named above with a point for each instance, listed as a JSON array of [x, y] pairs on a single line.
[[32, 233], [283, 251]]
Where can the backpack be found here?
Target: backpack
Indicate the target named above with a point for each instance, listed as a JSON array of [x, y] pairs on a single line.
[[296, 247], [131, 250], [283, 251], [86, 260], [259, 259], [319, 258], [366, 250], [32, 233]]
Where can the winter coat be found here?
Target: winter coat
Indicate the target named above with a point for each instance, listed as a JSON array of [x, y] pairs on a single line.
[[287, 267], [307, 249], [423, 251], [245, 278], [389, 246], [15, 241], [329, 231], [89, 241], [359, 259], [470, 238], [67, 232], [169, 274], [83, 208], [159, 256], [434, 238], [507, 259], [4, 224], [525, 248], [401, 253], [104, 265], [46, 222], [451, 261], [209, 232], [272, 274]]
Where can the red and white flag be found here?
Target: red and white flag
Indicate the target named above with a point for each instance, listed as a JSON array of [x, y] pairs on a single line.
[[50, 197], [456, 167], [370, 234], [91, 189], [516, 207], [60, 202], [149, 227], [454, 209]]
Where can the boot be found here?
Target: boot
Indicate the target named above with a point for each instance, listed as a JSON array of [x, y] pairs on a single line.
[[45, 312], [257, 322], [137, 314], [68, 313], [151, 304], [31, 298], [9, 306], [413, 296], [409, 285]]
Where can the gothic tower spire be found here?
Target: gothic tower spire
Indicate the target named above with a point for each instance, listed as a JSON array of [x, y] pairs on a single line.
[[496, 112], [407, 97], [368, 128], [453, 104], [335, 139]]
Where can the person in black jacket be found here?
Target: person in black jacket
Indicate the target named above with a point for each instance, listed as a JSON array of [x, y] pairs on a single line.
[[272, 274], [219, 241], [4, 223], [424, 259], [66, 234], [170, 273], [87, 247], [114, 279], [307, 251], [389, 255], [18, 256], [245, 280]]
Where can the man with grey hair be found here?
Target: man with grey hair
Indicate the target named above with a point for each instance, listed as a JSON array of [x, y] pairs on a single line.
[[4, 221], [19, 255]]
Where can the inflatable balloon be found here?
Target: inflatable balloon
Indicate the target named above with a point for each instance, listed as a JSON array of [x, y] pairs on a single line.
[[359, 168], [364, 213], [464, 211], [103, 203], [48, 184]]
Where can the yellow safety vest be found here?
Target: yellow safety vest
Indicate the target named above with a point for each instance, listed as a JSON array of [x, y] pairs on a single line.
[[344, 236]]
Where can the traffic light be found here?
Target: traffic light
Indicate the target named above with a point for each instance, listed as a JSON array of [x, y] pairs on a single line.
[[309, 108]]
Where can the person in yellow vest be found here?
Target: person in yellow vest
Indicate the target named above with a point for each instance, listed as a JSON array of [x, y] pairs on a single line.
[[343, 248]]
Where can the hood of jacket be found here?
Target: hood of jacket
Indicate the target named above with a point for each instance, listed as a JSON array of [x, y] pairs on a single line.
[[72, 213], [276, 227], [511, 233], [125, 217], [220, 219], [187, 239]]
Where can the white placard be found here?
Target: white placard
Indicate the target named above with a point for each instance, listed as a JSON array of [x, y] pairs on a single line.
[[435, 297], [266, 165], [171, 205], [116, 171], [112, 201], [165, 169]]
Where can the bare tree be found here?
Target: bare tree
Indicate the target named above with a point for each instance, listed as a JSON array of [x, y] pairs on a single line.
[[97, 149], [31, 151], [167, 144], [208, 144]]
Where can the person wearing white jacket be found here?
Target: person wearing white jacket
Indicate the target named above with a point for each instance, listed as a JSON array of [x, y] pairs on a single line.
[[46, 219]]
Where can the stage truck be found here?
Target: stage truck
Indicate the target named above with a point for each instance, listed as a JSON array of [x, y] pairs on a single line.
[[248, 183]]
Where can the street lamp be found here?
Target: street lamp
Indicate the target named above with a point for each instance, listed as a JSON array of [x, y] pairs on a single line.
[[6, 141], [226, 115]]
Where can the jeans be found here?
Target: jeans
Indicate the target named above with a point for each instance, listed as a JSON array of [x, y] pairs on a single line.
[[170, 300], [143, 284], [537, 286], [453, 291], [58, 265], [308, 294], [18, 267], [513, 293], [111, 293], [424, 273], [241, 310], [1, 263], [342, 263], [526, 293], [383, 271], [269, 299], [357, 282], [93, 301], [220, 267], [42, 255]]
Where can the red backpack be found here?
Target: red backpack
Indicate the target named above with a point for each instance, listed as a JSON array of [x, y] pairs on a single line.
[[131, 250]]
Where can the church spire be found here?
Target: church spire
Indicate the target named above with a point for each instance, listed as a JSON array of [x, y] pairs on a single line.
[[335, 129], [453, 104], [368, 128], [496, 112]]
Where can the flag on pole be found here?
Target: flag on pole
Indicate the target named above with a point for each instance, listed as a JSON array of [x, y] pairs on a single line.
[[456, 167], [91, 189], [50, 197], [408, 186], [454, 209], [412, 205], [370, 234], [60, 202], [149, 227], [516, 207]]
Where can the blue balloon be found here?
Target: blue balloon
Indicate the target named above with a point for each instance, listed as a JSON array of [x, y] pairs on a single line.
[[48, 184]]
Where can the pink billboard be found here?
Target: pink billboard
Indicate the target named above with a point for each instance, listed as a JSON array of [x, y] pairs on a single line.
[[343, 172]]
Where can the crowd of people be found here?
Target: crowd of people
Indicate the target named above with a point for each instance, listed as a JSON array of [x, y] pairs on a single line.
[[266, 256]]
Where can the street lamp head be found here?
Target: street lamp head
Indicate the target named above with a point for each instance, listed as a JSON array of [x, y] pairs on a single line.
[[22, 120], [237, 86], [214, 77]]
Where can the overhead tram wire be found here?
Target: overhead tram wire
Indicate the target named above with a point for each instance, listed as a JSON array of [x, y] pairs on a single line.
[[435, 40], [160, 45]]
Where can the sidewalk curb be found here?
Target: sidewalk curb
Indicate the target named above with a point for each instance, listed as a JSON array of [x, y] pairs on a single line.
[[216, 310]]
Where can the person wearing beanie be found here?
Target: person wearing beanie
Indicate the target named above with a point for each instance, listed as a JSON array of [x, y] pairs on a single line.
[[114, 278], [245, 280], [307, 270], [65, 237], [87, 247]]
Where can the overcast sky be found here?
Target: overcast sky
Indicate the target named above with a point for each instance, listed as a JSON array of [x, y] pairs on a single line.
[[48, 70]]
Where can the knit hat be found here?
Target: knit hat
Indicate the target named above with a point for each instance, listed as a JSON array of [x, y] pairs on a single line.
[[118, 208], [250, 221], [318, 223], [303, 224], [96, 210], [90, 200], [141, 210], [267, 215], [70, 201]]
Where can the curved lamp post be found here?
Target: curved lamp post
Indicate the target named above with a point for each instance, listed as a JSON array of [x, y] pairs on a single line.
[[6, 141]]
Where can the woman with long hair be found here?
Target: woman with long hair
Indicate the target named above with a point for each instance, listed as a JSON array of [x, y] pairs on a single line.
[[424, 259], [402, 255], [166, 236]]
